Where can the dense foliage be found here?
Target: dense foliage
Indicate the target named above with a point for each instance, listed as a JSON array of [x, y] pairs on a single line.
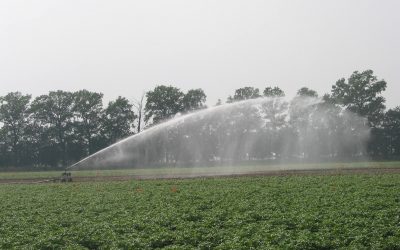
[[295, 212], [59, 128]]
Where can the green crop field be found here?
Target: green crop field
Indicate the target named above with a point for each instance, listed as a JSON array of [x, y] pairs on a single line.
[[285, 212]]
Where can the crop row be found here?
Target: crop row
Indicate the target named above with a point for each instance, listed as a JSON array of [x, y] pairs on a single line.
[[296, 212]]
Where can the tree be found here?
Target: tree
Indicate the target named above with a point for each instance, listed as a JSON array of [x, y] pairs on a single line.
[[3, 147], [15, 116], [306, 92], [274, 112], [361, 94], [88, 108], [118, 119], [391, 127], [139, 106], [273, 92], [163, 103], [54, 113], [194, 99], [244, 93]]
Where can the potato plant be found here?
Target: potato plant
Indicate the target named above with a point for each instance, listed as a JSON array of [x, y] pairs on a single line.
[[292, 212]]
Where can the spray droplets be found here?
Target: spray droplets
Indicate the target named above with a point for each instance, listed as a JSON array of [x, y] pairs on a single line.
[[264, 130]]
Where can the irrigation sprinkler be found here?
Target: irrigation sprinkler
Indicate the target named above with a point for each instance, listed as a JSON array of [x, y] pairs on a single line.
[[66, 176]]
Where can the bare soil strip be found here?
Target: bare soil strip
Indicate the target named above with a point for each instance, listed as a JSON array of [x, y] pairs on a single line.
[[341, 171]]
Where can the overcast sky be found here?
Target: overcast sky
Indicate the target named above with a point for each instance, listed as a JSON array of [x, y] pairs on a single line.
[[127, 47]]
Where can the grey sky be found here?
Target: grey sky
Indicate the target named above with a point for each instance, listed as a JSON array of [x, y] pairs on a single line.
[[126, 47]]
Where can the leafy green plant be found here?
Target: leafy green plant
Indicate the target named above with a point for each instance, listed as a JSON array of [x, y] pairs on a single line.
[[292, 212]]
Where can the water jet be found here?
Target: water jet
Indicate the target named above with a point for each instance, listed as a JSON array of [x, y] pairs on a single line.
[[264, 131]]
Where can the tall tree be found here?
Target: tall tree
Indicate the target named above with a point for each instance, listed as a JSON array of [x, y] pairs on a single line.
[[139, 106], [15, 117], [361, 93], [274, 112], [54, 113], [273, 92], [88, 108], [244, 94], [194, 99], [118, 119], [162, 103]]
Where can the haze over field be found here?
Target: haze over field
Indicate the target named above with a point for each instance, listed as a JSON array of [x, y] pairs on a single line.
[[127, 47]]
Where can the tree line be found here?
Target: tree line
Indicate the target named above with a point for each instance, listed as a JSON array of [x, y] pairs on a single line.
[[60, 128]]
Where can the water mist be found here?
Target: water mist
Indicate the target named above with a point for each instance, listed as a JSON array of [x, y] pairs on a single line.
[[253, 135]]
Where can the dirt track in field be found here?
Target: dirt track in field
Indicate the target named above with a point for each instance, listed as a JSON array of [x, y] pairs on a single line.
[[315, 172]]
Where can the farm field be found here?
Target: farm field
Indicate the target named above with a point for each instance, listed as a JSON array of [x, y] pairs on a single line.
[[273, 212], [168, 171]]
